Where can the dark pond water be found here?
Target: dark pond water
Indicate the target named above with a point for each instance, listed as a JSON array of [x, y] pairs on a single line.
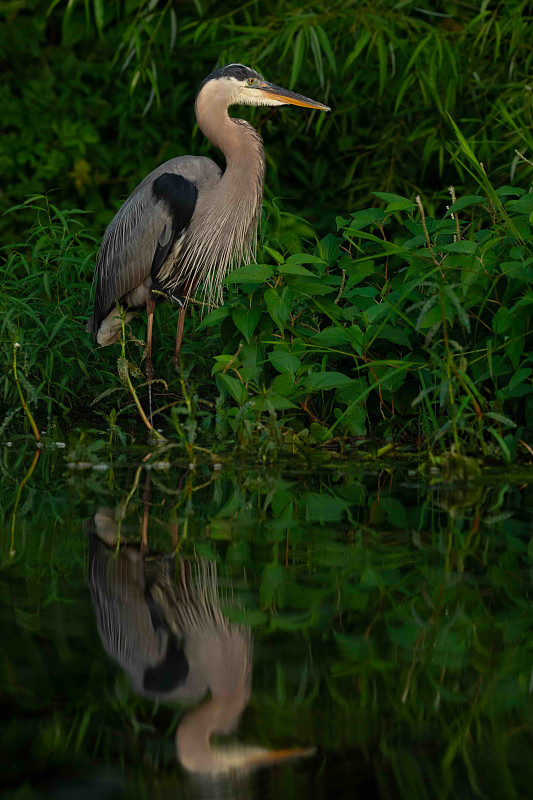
[[327, 630]]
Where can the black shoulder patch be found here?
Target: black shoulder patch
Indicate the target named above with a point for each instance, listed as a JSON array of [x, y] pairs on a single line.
[[170, 673], [179, 197]]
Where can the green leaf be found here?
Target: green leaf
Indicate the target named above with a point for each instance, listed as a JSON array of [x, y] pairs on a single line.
[[323, 381], [298, 55], [461, 313], [284, 362], [277, 308], [319, 432], [501, 320], [522, 206], [323, 507], [295, 269], [250, 273], [464, 202], [246, 320], [234, 387], [99, 15], [276, 255], [326, 47], [304, 258], [400, 205], [368, 216], [278, 402], [332, 337], [271, 580], [312, 289], [396, 199], [463, 246], [507, 191]]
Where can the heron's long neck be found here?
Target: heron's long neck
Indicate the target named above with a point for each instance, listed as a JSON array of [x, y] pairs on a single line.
[[224, 227], [217, 715], [241, 144]]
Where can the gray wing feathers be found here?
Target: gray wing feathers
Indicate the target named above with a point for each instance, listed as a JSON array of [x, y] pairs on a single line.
[[130, 241]]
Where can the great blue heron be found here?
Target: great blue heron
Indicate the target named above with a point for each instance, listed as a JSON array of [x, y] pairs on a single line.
[[188, 221], [173, 641]]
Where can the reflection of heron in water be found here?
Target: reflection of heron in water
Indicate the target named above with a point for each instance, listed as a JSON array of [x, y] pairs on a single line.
[[174, 643]]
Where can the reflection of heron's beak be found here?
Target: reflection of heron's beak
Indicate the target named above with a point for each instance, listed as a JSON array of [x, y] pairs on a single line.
[[239, 758], [285, 96], [269, 757]]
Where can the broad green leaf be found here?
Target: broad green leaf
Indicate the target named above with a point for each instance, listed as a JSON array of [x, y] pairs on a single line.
[[332, 337], [250, 273], [508, 191], [284, 362], [276, 255], [389, 197], [313, 289], [461, 313], [319, 432], [323, 381], [464, 202], [323, 507], [368, 216], [295, 269], [233, 386], [246, 320], [329, 247], [522, 206], [277, 308], [400, 205], [463, 246], [501, 320], [271, 581], [304, 258], [278, 402]]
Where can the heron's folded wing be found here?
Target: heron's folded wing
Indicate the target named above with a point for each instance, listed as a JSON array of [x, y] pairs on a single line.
[[140, 237]]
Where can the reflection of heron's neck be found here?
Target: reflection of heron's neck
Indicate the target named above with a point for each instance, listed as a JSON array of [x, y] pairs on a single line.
[[217, 715]]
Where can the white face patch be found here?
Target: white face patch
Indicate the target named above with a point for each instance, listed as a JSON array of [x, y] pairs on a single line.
[[244, 95]]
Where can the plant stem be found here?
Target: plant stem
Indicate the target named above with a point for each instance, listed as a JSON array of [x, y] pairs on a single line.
[[27, 411]]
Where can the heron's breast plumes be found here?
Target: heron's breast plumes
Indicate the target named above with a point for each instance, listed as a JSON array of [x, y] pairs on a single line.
[[223, 231]]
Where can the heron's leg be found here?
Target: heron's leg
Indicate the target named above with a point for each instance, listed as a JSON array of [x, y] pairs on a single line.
[[179, 335], [148, 368]]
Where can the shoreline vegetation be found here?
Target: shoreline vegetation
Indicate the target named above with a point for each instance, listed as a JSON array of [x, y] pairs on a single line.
[[400, 332], [401, 327]]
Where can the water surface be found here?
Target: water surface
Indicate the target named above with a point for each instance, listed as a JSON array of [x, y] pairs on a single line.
[[387, 620]]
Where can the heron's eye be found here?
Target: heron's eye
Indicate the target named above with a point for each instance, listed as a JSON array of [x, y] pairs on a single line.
[[251, 81]]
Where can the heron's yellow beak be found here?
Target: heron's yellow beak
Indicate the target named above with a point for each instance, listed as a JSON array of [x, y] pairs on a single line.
[[291, 98]]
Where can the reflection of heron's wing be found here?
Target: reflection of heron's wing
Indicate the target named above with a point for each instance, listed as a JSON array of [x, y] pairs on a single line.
[[219, 653], [132, 629]]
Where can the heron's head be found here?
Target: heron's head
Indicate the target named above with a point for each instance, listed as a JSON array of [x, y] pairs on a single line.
[[236, 84]]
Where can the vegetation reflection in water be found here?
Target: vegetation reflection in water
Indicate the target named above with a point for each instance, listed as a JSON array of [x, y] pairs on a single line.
[[391, 624]]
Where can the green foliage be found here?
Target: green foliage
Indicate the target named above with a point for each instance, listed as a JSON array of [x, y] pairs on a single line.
[[94, 95], [402, 328]]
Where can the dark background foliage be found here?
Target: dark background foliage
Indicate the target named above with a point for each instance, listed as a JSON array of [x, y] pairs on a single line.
[[95, 94]]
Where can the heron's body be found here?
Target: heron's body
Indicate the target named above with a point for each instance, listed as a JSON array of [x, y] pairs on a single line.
[[188, 222]]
